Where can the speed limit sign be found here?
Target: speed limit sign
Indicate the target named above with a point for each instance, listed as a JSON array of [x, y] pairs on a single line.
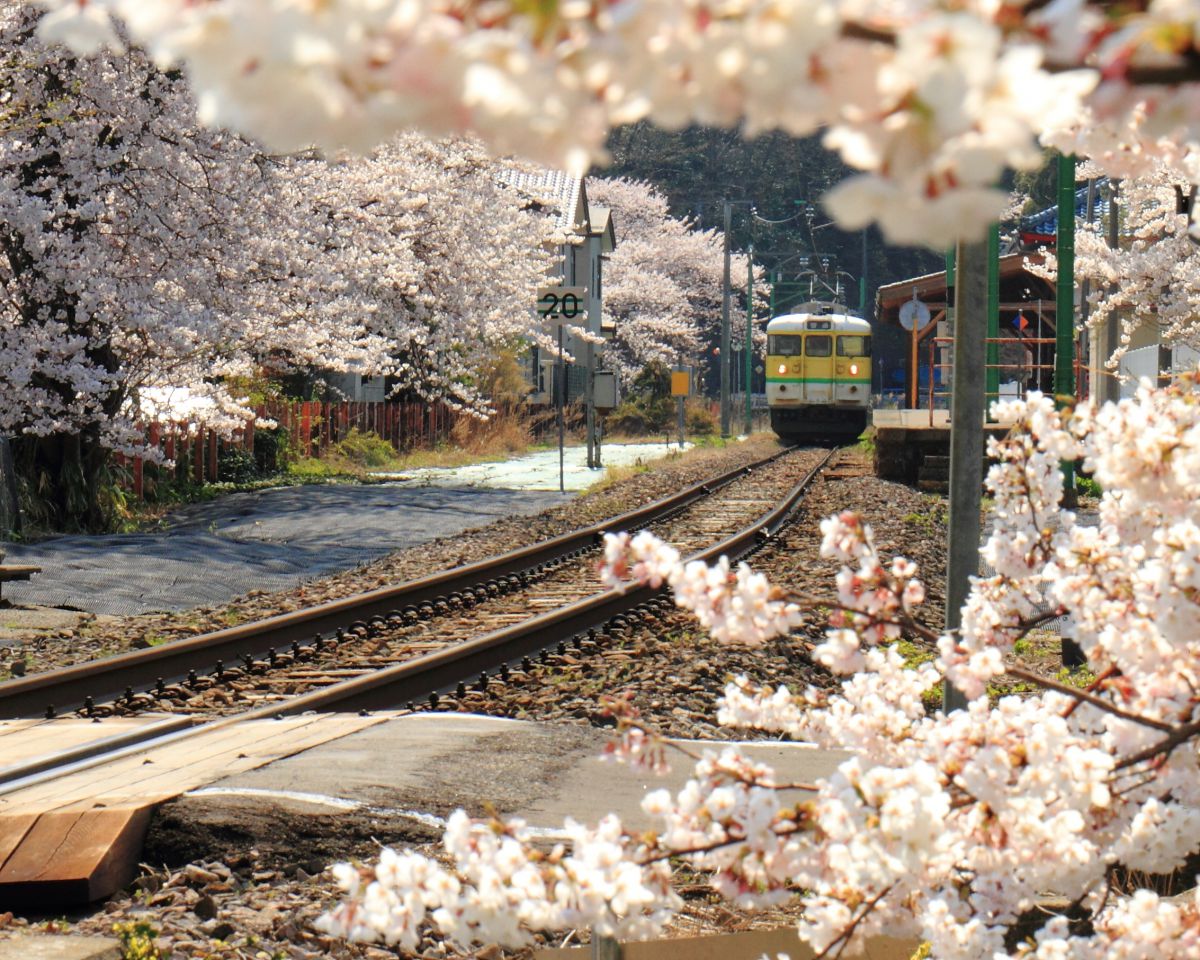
[[562, 303]]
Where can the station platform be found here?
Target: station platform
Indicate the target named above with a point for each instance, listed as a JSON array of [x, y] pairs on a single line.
[[913, 446]]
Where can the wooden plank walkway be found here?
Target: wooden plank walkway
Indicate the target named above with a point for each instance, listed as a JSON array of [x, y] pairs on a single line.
[[77, 838]]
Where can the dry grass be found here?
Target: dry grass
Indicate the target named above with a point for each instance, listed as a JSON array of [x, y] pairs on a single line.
[[614, 475], [506, 432]]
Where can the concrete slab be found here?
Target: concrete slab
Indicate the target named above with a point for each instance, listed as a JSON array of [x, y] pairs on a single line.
[[539, 471], [426, 765], [51, 947]]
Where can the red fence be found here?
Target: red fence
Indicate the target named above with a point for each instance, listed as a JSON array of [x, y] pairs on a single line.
[[314, 426], [311, 427]]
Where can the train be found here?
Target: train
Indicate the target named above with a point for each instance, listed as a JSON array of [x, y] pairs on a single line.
[[818, 371]]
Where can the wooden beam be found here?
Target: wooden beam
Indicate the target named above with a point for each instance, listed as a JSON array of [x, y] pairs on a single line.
[[71, 856]]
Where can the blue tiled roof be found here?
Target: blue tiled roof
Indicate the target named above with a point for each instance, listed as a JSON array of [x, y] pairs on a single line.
[[1044, 223]]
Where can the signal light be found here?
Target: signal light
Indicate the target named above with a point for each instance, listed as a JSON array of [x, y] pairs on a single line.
[[854, 369], [783, 368]]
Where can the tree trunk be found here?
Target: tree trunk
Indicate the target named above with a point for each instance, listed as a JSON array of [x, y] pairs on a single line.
[[67, 481]]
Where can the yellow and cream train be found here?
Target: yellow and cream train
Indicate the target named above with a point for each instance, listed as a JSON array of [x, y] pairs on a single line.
[[818, 373]]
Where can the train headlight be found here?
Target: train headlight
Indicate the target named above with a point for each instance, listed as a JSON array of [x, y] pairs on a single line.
[[783, 368], [854, 369]]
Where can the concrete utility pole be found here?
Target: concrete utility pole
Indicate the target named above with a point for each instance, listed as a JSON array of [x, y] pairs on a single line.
[[725, 336], [749, 359], [966, 435]]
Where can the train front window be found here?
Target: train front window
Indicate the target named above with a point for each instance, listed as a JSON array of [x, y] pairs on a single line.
[[783, 345], [854, 346], [818, 346]]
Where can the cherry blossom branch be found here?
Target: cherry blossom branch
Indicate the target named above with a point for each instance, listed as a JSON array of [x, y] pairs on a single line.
[[1178, 736], [1098, 702], [844, 937], [778, 831]]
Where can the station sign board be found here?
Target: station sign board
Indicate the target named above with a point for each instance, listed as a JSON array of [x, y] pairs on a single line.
[[681, 382]]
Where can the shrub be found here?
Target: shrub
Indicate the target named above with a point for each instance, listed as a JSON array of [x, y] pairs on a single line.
[[699, 419], [270, 450], [364, 450], [235, 465]]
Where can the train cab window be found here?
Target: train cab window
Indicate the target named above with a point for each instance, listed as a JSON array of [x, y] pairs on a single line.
[[783, 345], [818, 345], [854, 346]]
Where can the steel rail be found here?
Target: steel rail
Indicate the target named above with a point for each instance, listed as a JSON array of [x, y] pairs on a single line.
[[390, 686], [68, 688], [413, 679]]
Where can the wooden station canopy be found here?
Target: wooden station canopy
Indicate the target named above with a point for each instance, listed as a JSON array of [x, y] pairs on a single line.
[[1026, 316]]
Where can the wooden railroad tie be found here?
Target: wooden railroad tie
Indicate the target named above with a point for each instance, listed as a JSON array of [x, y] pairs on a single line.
[[69, 856]]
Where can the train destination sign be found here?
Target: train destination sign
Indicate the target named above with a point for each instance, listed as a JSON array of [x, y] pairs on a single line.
[[562, 303]]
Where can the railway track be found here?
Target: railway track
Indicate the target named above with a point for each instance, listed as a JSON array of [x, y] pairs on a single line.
[[399, 645]]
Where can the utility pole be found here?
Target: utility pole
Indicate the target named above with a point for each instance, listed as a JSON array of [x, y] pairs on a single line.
[[862, 278], [749, 351], [725, 337], [966, 436]]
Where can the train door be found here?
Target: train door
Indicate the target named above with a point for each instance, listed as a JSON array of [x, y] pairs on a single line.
[[818, 367]]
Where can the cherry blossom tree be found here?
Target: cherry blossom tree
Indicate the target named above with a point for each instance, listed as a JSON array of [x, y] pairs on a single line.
[[147, 263], [950, 829], [431, 255], [663, 283], [931, 100], [1152, 277], [133, 257]]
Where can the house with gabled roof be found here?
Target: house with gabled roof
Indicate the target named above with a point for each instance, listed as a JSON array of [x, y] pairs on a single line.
[[581, 237]]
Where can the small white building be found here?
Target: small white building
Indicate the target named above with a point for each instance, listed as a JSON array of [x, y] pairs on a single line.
[[582, 236]]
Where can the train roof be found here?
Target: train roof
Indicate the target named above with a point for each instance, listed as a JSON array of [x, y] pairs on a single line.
[[840, 317]]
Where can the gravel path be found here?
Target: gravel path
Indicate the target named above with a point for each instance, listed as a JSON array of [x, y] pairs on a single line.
[[208, 552]]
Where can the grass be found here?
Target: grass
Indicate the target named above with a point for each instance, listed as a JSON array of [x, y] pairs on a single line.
[[614, 475], [922, 520], [1087, 487], [866, 443]]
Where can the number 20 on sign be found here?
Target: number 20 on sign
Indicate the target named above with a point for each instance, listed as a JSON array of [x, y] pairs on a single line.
[[562, 303]]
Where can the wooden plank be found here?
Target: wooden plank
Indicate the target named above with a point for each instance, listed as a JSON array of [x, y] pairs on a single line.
[[17, 571], [51, 736], [159, 774], [38, 847], [10, 728], [75, 856], [131, 776], [13, 830]]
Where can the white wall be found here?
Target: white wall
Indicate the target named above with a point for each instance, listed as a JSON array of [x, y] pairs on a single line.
[[1143, 362]]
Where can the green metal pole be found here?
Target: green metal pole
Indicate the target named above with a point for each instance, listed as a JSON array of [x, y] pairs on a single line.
[[749, 424], [1064, 315], [993, 315]]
